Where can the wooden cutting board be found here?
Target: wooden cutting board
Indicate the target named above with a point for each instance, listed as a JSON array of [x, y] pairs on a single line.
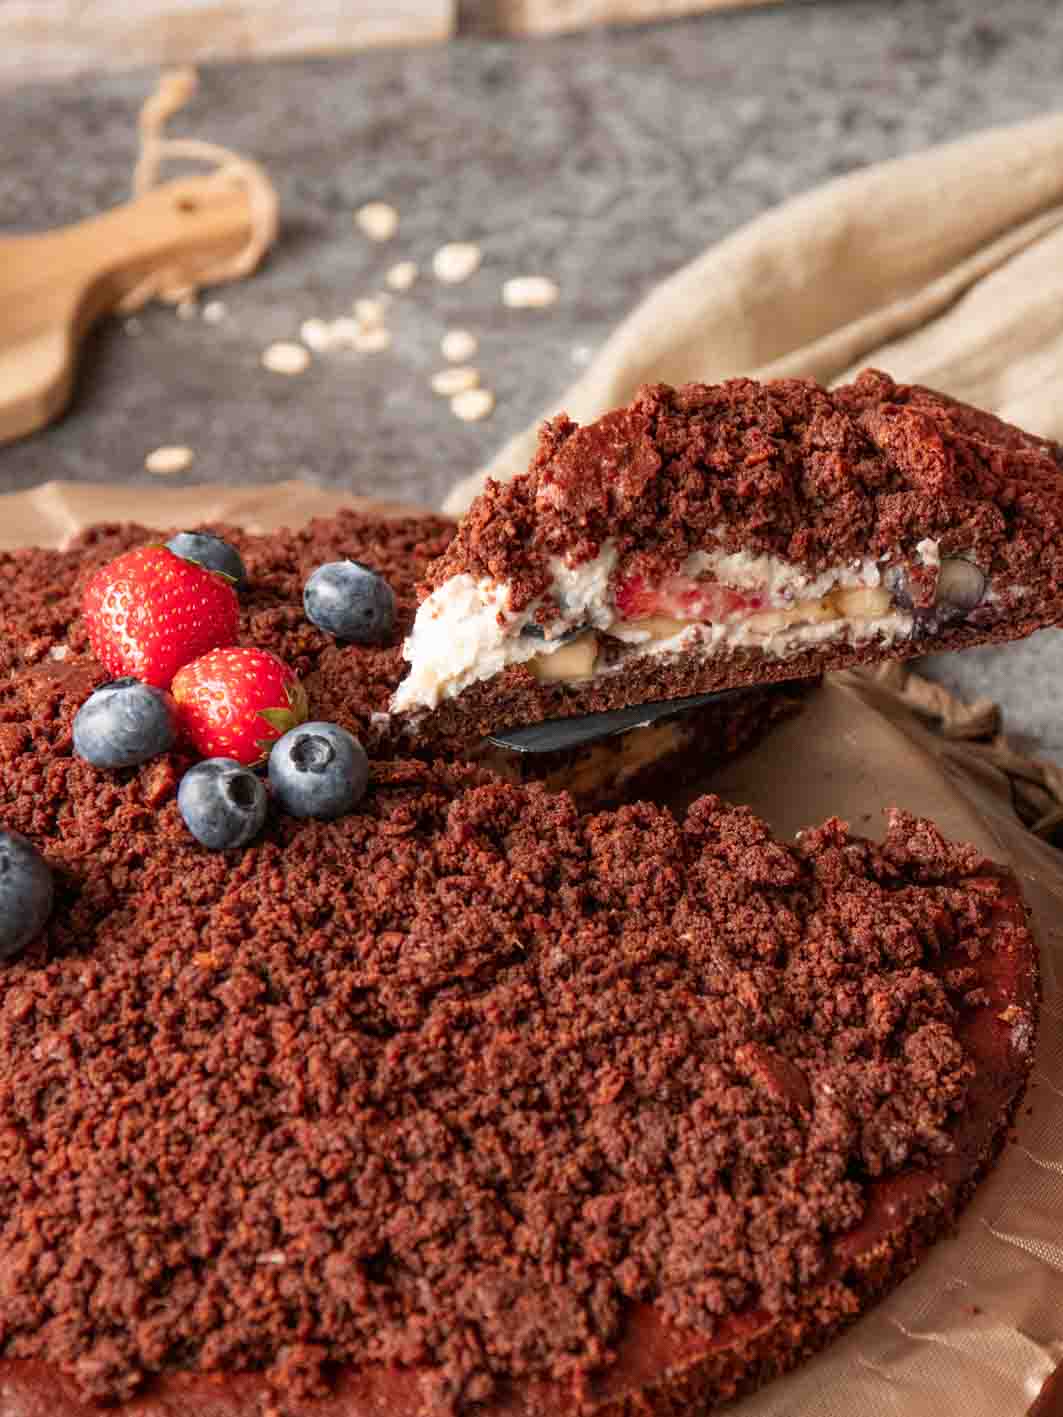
[[556, 16], [39, 39], [67, 36], [55, 285]]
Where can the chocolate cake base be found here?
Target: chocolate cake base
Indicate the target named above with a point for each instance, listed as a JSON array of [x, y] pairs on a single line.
[[516, 697]]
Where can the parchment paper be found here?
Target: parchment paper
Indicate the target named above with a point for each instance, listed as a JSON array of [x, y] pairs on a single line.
[[978, 1328]]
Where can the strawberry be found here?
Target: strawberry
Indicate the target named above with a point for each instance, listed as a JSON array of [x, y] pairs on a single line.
[[235, 703], [683, 598], [149, 611]]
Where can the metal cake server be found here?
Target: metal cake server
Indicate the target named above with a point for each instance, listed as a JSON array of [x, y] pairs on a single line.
[[557, 734]]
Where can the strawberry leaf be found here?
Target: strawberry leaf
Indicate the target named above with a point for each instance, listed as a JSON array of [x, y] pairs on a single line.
[[280, 719]]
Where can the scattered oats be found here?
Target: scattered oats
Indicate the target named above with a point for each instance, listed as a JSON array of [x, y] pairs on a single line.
[[187, 309], [316, 335], [472, 404], [582, 355], [456, 262], [378, 220], [215, 311], [164, 461], [402, 276], [286, 358], [369, 312], [371, 341], [529, 292], [349, 333], [458, 345], [455, 380], [272, 1257], [343, 332], [133, 326]]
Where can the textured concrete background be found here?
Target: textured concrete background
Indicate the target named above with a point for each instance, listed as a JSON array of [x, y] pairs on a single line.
[[604, 160]]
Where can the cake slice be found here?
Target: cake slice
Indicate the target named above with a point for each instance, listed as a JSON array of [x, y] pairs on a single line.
[[740, 533]]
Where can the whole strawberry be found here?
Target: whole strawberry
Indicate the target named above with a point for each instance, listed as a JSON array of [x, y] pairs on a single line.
[[149, 611], [236, 703]]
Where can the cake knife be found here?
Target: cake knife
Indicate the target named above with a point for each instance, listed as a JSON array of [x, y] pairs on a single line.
[[555, 735]]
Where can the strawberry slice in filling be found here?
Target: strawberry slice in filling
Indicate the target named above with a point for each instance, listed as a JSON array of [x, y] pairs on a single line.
[[684, 598]]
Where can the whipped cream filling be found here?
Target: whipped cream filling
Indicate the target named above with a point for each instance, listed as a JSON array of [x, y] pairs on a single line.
[[466, 631]]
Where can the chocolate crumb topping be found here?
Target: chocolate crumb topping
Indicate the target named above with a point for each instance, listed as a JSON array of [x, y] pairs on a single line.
[[457, 1084], [813, 476]]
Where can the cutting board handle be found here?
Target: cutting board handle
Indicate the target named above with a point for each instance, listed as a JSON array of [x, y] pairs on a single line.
[[184, 226], [55, 285]]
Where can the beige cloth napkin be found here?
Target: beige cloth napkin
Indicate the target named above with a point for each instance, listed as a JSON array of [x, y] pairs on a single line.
[[944, 268]]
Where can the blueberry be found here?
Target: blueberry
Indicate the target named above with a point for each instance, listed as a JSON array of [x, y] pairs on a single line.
[[25, 893], [318, 770], [222, 802], [211, 552], [534, 631], [350, 601], [123, 723]]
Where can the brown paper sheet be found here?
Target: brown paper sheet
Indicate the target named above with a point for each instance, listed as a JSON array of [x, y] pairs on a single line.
[[978, 1328]]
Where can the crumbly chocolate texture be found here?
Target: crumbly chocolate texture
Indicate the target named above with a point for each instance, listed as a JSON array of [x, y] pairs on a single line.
[[816, 477], [466, 1101]]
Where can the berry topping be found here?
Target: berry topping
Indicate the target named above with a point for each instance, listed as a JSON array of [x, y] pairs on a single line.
[[350, 601], [318, 770], [683, 598], [235, 703], [26, 893], [212, 553], [124, 723], [223, 803], [149, 612]]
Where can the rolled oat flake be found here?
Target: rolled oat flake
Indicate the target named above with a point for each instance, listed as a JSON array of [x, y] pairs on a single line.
[[456, 261], [170, 459], [379, 220], [472, 404], [285, 357]]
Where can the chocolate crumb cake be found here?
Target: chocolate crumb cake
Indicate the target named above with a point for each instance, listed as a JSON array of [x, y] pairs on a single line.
[[468, 1102], [712, 536]]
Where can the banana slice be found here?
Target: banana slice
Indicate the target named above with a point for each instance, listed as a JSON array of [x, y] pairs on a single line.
[[572, 662]]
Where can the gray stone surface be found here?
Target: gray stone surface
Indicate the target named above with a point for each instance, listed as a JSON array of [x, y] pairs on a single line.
[[604, 160]]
